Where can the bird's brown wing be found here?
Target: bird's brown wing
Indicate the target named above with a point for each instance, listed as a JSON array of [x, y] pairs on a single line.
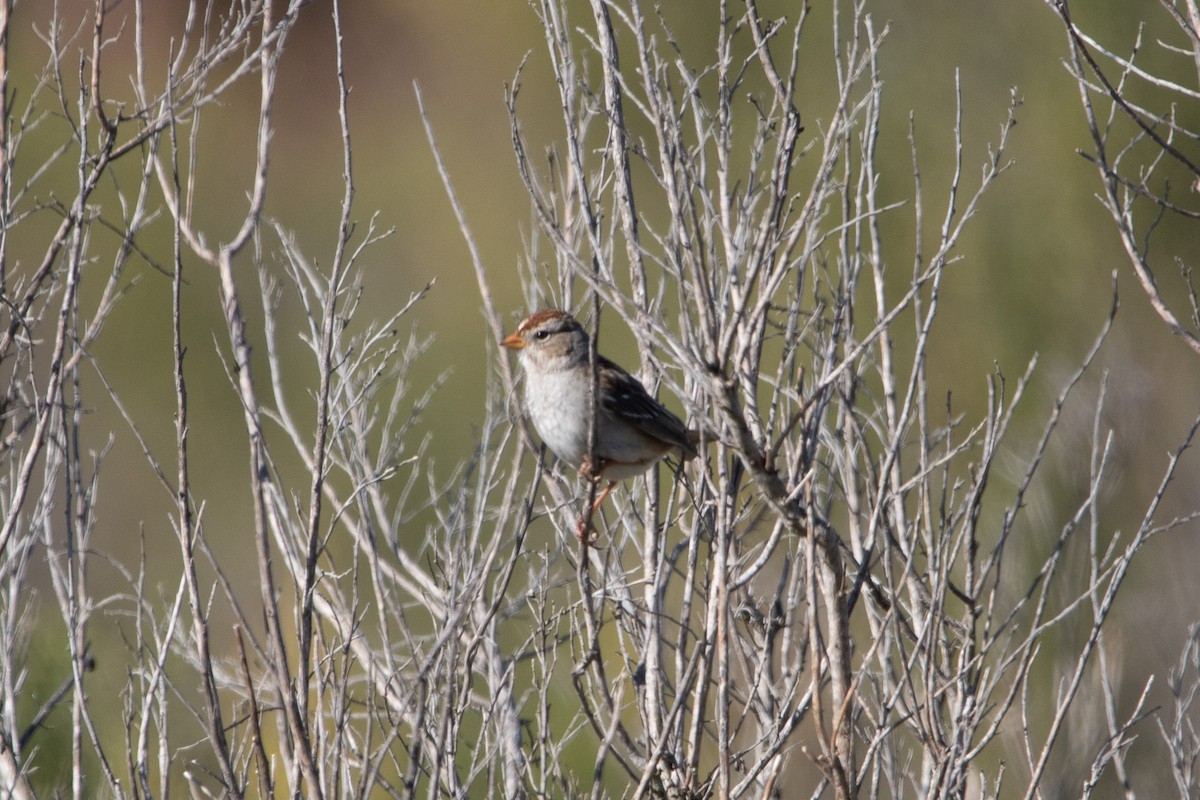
[[625, 397]]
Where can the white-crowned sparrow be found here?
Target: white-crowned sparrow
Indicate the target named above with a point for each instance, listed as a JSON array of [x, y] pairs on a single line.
[[633, 430]]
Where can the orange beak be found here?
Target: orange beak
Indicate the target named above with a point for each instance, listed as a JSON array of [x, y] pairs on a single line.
[[514, 342]]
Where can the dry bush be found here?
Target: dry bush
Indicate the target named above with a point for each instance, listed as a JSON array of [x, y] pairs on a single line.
[[840, 598]]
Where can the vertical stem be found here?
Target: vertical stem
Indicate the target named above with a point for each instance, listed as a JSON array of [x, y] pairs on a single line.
[[185, 521], [5, 155]]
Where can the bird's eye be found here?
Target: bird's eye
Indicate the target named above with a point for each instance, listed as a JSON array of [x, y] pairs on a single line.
[[541, 334]]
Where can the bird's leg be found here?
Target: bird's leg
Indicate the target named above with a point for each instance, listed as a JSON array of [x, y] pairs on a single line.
[[584, 530], [592, 469]]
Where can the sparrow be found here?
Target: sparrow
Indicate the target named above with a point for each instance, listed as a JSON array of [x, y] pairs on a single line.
[[633, 430]]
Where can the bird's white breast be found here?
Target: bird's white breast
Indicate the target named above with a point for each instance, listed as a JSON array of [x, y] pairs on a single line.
[[555, 399]]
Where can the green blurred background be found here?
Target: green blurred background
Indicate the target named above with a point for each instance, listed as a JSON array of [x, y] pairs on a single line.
[[1034, 276]]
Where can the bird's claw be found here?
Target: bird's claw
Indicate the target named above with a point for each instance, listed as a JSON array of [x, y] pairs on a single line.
[[591, 469], [585, 533]]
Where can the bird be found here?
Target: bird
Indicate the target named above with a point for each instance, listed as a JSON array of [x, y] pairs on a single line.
[[633, 430]]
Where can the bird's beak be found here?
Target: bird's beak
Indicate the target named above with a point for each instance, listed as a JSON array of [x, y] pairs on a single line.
[[514, 342]]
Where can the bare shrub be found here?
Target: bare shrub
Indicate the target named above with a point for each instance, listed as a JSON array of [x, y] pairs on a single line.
[[1143, 145], [846, 595]]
